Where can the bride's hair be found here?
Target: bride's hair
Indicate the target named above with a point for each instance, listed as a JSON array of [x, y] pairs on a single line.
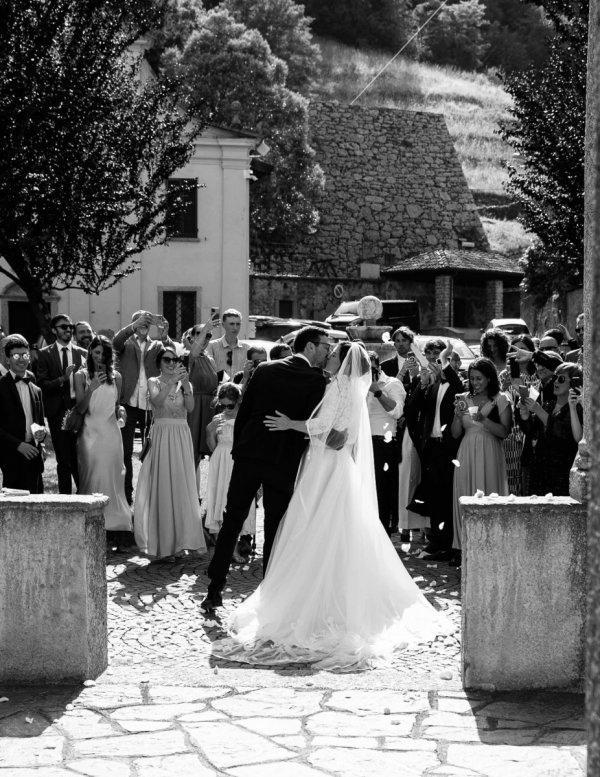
[[108, 357], [361, 365]]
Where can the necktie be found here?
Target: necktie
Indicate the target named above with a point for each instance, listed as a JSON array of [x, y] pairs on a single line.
[[65, 361], [17, 379]]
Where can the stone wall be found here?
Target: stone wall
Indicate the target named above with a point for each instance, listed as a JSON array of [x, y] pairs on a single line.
[[394, 188]]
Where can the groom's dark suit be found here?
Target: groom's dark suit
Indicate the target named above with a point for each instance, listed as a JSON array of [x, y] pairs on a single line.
[[263, 457]]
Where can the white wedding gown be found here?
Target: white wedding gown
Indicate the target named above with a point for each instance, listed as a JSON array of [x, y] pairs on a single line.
[[336, 594]]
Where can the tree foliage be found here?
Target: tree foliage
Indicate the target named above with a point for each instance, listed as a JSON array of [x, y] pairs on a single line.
[[85, 147], [230, 73], [380, 23], [455, 36], [517, 35], [547, 131]]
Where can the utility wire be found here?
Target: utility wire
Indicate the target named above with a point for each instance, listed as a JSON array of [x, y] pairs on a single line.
[[397, 54]]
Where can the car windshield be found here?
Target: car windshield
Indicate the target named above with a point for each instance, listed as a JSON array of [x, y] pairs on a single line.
[[347, 307], [515, 329]]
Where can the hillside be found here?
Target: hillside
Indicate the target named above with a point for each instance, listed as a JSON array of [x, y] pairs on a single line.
[[473, 104]]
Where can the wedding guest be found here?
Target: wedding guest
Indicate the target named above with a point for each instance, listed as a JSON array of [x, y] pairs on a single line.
[[56, 366], [280, 351], [385, 403], [518, 445], [494, 346], [255, 355], [229, 352], [99, 444], [21, 446], [546, 363], [167, 518], [137, 363], [576, 355], [83, 334], [559, 424], [219, 435], [483, 418], [204, 382]]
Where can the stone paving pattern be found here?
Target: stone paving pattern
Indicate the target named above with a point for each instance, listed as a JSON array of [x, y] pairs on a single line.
[[167, 708]]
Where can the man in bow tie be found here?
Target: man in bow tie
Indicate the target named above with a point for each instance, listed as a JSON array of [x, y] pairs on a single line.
[[21, 449], [55, 367]]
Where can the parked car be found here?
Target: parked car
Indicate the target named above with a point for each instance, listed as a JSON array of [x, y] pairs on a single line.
[[273, 327], [512, 326], [335, 335], [396, 312]]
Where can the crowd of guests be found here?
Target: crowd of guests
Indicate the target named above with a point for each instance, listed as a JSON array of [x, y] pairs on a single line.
[[510, 425]]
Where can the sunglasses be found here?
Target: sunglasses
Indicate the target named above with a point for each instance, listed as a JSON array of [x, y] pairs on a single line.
[[226, 405], [561, 379], [64, 326], [20, 356], [549, 348], [229, 357], [169, 359]]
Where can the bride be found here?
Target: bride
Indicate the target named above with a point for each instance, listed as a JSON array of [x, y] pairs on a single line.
[[335, 593]]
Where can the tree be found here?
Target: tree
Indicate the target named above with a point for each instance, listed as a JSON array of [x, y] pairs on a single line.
[[547, 131], [85, 146], [286, 29], [517, 35], [455, 35], [381, 23], [230, 72]]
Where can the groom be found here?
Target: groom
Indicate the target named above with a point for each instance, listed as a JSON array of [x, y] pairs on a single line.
[[291, 386]]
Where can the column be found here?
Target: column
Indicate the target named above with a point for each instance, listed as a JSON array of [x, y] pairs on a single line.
[[592, 381], [444, 296], [494, 299]]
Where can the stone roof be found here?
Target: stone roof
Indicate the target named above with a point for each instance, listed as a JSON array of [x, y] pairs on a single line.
[[462, 260]]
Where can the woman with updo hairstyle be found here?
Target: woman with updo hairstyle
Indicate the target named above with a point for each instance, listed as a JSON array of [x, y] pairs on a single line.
[[483, 418], [558, 426], [219, 436], [99, 444]]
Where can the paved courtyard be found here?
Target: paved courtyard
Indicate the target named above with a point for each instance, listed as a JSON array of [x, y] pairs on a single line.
[[166, 707]]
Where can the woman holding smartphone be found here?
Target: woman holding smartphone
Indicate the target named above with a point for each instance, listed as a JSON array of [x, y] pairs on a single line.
[[99, 444], [484, 417], [166, 509], [558, 425]]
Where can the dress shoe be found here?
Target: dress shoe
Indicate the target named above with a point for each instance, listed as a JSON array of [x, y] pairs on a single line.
[[212, 600], [404, 536], [418, 507], [440, 555]]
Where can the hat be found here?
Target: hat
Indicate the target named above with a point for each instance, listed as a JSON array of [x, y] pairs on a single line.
[[548, 359]]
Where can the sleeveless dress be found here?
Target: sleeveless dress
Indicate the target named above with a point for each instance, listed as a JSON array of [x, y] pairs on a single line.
[[219, 475], [481, 464], [336, 594], [204, 381], [166, 509], [100, 456]]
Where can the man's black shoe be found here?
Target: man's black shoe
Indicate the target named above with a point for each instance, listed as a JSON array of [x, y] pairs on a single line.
[[212, 600], [418, 507], [440, 555]]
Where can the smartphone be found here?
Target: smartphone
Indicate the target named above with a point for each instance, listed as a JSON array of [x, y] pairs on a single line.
[[515, 369], [215, 313], [576, 383], [375, 374], [523, 392]]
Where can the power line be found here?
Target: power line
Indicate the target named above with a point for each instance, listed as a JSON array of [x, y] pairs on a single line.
[[397, 54]]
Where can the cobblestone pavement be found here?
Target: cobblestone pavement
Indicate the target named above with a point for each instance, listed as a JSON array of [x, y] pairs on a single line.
[[167, 708]]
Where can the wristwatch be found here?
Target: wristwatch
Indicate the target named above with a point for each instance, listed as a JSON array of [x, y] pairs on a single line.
[[377, 393]]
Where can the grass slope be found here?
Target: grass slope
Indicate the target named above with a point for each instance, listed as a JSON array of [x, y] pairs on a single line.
[[472, 103]]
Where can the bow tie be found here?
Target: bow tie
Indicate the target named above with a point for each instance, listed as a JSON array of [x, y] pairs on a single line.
[[18, 378]]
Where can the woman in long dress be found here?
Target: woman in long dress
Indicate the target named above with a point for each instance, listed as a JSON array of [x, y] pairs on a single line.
[[99, 444], [484, 415], [166, 508], [219, 435], [204, 382], [335, 594]]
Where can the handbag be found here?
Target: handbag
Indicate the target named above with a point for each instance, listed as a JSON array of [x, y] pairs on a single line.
[[72, 421]]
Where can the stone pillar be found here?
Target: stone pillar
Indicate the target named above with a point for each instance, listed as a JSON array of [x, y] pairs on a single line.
[[53, 583], [523, 592], [444, 299], [494, 299], [591, 301]]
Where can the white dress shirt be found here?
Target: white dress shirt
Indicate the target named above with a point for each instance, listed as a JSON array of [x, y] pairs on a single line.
[[219, 350], [436, 430], [69, 351], [385, 421]]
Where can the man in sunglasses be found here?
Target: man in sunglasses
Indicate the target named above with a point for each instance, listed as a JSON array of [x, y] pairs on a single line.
[[576, 355], [55, 367], [290, 386]]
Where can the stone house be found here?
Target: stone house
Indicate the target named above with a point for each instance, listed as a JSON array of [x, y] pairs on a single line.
[[397, 220]]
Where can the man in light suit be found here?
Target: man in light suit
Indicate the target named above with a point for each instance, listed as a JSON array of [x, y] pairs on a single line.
[[136, 361], [55, 367], [21, 450]]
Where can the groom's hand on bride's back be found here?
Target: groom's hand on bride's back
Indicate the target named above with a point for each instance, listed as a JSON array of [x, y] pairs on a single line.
[[336, 439]]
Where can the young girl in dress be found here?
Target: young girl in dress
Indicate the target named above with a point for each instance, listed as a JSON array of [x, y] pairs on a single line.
[[219, 437]]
